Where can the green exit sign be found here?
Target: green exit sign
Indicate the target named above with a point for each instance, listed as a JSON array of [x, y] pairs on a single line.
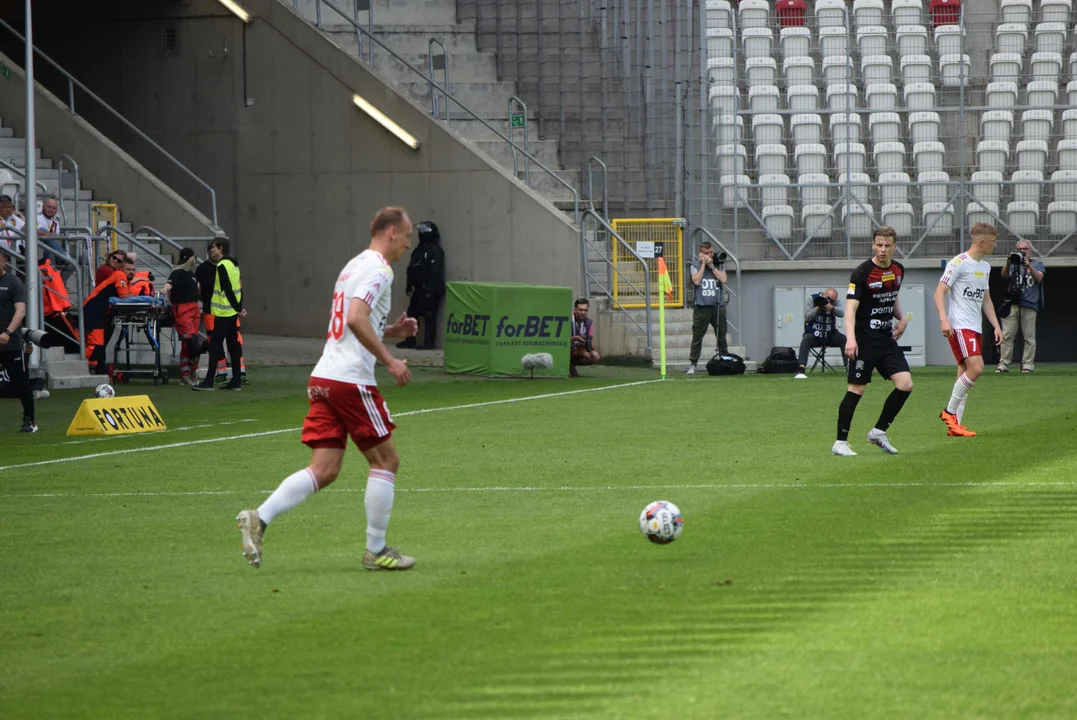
[[5, 70], [517, 121]]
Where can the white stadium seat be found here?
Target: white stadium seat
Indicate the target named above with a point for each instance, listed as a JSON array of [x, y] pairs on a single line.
[[1037, 124], [724, 99], [920, 96], [718, 14], [830, 13], [1001, 94], [1046, 66], [849, 157], [1042, 93], [867, 13], [721, 71], [1069, 124], [732, 159], [757, 41], [907, 12], [833, 41], [719, 42], [915, 69], [912, 40], [735, 191], [984, 212], [1065, 185], [933, 187], [844, 128], [1016, 11], [876, 69], [929, 157], [761, 71], [858, 218], [1062, 218], [996, 125], [841, 97], [806, 128], [817, 220], [803, 98], [1067, 154], [881, 97], [992, 155], [778, 220], [1011, 38], [898, 216], [763, 98], [813, 189], [798, 70], [729, 129], [884, 127], [1031, 155], [1050, 37], [894, 188], [810, 159], [754, 13], [1022, 217], [1071, 93], [858, 185], [1027, 185], [924, 127], [955, 70], [768, 129], [1055, 11], [1005, 67], [871, 40], [949, 39], [1073, 64], [987, 186], [774, 189], [838, 69], [889, 157], [795, 41], [771, 158], [938, 219]]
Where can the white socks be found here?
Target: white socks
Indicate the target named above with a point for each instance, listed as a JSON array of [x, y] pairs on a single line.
[[961, 391], [961, 410], [379, 504], [296, 488]]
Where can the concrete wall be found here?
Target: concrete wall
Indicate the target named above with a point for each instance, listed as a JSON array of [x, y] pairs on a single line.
[[298, 168]]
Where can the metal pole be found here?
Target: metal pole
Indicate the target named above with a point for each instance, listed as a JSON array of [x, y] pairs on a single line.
[[560, 82], [33, 277], [678, 158], [625, 124], [961, 121], [519, 46], [663, 20], [539, 65], [703, 170], [646, 96]]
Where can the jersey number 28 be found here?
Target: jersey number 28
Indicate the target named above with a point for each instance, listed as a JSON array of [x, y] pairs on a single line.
[[336, 317]]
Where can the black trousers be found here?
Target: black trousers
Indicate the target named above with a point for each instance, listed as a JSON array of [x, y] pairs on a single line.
[[225, 331], [835, 339], [705, 317], [14, 362]]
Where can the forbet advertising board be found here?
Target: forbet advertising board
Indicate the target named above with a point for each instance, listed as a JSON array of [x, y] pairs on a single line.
[[489, 327]]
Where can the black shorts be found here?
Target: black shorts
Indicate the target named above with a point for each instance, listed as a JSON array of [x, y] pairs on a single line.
[[886, 357]]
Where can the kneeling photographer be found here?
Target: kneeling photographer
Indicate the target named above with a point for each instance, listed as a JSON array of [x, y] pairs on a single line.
[[1020, 305], [820, 327]]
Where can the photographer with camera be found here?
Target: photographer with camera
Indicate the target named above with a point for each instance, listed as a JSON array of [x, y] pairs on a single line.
[[1022, 302], [820, 326], [583, 338], [708, 277]]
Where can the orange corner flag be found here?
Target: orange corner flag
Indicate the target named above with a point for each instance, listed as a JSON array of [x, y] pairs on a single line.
[[664, 283]]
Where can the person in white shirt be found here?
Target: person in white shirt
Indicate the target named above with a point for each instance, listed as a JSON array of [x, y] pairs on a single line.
[[48, 225], [10, 219], [344, 398], [965, 279]]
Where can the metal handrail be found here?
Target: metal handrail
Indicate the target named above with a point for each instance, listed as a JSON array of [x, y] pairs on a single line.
[[466, 109], [435, 105], [131, 239], [515, 159], [605, 186], [72, 83], [167, 240], [75, 193], [646, 294], [21, 173], [736, 264]]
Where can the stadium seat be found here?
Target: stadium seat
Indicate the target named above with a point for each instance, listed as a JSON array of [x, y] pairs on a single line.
[[771, 159], [871, 40], [933, 187], [718, 14], [1032, 155], [844, 128], [992, 155], [1050, 37], [838, 69], [867, 13], [732, 159], [761, 71], [894, 188], [798, 70], [858, 218], [1055, 11], [858, 184], [1042, 94], [724, 99], [1010, 38], [817, 220], [814, 189], [938, 219], [795, 41], [754, 14], [830, 13], [889, 157], [996, 125], [729, 129], [1016, 11], [949, 39], [929, 157], [833, 41], [841, 97], [945, 12], [768, 129], [790, 12], [1001, 94], [757, 42], [920, 96], [1073, 64], [803, 98], [1069, 124], [735, 191], [774, 189], [987, 186], [1006, 67], [763, 98], [1062, 218], [924, 127], [721, 71], [907, 12], [1022, 217], [898, 216], [1027, 185], [984, 212], [1046, 66], [719, 42], [912, 40], [955, 70], [884, 127], [806, 128], [875, 69], [849, 157], [1037, 124], [1067, 155], [1071, 93], [915, 69], [1065, 185], [778, 220], [810, 159], [881, 97]]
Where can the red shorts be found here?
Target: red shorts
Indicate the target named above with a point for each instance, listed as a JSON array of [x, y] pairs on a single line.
[[185, 318], [339, 410], [966, 343]]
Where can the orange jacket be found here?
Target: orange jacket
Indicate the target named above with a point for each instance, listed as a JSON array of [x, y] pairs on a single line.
[[54, 297], [140, 285]]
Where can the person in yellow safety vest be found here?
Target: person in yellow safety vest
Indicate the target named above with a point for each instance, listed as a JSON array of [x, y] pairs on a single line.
[[226, 306]]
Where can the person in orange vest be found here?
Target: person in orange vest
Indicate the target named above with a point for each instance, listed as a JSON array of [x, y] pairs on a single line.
[[96, 315], [55, 302], [182, 291], [141, 283]]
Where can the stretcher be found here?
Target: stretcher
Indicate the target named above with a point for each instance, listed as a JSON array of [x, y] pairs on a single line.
[[137, 322]]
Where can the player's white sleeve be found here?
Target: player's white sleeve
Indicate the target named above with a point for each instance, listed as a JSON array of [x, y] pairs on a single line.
[[372, 284], [950, 274]]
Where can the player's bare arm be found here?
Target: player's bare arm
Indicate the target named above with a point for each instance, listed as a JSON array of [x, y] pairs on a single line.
[[940, 306], [989, 311], [902, 321], [359, 323], [851, 306], [403, 327]]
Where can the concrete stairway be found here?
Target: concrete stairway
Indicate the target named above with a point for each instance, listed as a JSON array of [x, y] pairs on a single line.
[[69, 371], [679, 337]]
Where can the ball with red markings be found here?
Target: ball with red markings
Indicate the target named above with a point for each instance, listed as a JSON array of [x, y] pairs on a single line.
[[661, 522]]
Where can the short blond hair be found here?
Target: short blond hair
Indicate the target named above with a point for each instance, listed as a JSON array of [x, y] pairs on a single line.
[[982, 229], [386, 218]]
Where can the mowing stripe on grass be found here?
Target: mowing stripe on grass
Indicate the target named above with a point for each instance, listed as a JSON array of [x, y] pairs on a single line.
[[265, 433], [158, 432]]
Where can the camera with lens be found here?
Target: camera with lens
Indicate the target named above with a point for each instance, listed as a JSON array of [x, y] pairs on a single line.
[[721, 257], [821, 301], [1016, 258]]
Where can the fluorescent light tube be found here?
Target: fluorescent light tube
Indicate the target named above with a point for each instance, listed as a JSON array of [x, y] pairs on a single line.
[[238, 10], [403, 135]]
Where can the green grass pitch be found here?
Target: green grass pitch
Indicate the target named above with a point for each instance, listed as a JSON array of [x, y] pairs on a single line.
[[938, 583]]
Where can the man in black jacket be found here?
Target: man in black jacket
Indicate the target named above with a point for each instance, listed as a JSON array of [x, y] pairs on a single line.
[[425, 284], [206, 274]]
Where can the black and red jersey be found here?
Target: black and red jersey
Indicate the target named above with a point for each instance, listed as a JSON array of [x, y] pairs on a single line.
[[876, 288]]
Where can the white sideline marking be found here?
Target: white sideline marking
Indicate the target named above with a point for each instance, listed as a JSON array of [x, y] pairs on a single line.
[[580, 488], [158, 432], [288, 430]]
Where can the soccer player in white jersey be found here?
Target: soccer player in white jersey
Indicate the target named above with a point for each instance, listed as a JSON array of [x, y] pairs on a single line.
[[965, 279], [344, 398]]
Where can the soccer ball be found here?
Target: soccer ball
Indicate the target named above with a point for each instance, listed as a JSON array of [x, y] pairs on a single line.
[[104, 391], [661, 522]]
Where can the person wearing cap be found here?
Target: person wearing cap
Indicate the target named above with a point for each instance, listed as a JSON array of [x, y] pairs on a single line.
[[183, 295], [425, 284]]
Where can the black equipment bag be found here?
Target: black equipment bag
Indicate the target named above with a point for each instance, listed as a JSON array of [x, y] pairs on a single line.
[[781, 360], [725, 364]]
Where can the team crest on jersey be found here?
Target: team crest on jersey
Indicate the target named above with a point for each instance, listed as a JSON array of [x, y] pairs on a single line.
[[852, 287]]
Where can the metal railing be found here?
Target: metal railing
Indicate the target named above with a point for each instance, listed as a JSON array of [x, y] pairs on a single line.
[[74, 193], [73, 83], [736, 265], [136, 243], [522, 106], [437, 62], [588, 217], [591, 161], [172, 242]]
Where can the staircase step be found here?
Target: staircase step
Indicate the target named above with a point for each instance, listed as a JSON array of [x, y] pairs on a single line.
[[479, 97], [463, 66], [410, 39], [67, 367], [386, 12], [545, 151], [70, 382]]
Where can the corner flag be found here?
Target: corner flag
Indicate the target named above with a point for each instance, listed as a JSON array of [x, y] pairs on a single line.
[[665, 288]]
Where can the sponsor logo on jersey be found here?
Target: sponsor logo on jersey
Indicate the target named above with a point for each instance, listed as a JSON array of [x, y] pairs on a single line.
[[852, 288], [888, 277], [973, 294], [979, 274], [875, 285]]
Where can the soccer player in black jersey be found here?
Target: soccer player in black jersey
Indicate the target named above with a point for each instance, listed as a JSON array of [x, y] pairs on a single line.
[[873, 323]]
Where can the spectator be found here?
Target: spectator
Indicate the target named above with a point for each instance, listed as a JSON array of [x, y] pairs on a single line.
[[206, 274], [10, 218], [12, 357], [48, 226], [820, 326], [708, 277], [425, 284], [113, 262], [1023, 302], [226, 306], [583, 338], [182, 292]]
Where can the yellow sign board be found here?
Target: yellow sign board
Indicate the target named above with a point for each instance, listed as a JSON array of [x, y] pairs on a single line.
[[117, 416]]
